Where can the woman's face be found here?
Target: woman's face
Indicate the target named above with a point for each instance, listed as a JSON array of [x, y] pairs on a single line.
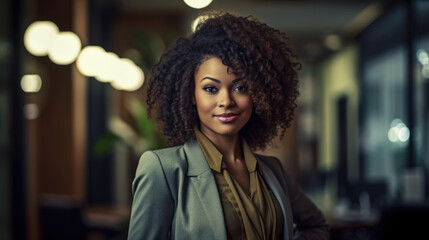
[[223, 102]]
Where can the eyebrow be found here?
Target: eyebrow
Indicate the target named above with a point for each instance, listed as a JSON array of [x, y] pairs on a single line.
[[218, 81]]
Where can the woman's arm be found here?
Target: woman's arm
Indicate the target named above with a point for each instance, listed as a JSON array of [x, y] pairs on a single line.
[[310, 222], [153, 205]]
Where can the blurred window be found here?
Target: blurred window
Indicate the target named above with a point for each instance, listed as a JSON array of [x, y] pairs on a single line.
[[421, 88], [394, 109], [384, 98]]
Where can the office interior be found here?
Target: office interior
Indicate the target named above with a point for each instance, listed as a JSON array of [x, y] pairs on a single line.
[[70, 141]]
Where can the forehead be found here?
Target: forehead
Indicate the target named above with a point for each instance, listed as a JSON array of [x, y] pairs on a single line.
[[213, 67]]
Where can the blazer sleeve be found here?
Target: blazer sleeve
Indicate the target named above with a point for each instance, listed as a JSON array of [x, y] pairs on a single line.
[[153, 205], [309, 220]]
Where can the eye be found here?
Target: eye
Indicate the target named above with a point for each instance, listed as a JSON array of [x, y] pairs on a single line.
[[240, 88], [210, 89]]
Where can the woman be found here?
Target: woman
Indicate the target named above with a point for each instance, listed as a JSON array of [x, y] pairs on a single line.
[[229, 88]]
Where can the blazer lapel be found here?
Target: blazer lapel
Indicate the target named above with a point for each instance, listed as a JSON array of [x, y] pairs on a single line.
[[205, 184], [279, 192]]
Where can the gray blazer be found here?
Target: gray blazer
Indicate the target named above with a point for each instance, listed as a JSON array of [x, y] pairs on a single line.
[[176, 197]]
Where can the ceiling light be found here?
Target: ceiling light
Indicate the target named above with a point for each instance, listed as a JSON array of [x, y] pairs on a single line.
[[197, 4], [64, 48], [31, 83], [38, 37], [89, 61]]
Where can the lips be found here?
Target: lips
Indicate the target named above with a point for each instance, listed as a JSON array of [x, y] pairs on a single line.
[[227, 117]]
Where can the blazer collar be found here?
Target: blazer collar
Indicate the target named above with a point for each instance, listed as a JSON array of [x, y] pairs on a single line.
[[206, 188], [202, 178], [197, 163], [275, 186]]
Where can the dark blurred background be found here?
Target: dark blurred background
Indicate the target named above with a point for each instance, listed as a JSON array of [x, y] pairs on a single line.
[[70, 141]]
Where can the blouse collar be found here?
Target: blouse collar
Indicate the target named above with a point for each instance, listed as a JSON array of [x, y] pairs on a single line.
[[214, 156]]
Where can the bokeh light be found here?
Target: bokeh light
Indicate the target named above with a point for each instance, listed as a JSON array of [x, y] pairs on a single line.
[[197, 4], [44, 38], [404, 134], [395, 122], [392, 135], [31, 111], [333, 42], [64, 48], [128, 77], [399, 132], [38, 37], [31, 83], [89, 61], [122, 73], [423, 56], [110, 62]]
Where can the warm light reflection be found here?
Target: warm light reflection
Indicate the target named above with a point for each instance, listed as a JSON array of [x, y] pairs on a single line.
[[31, 111], [43, 38], [38, 36], [31, 83], [333, 42], [122, 73], [109, 62], [197, 4], [89, 61], [398, 131], [128, 77], [64, 48]]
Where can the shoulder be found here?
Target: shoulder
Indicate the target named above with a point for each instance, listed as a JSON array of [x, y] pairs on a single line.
[[163, 165], [274, 165], [166, 153], [270, 161], [165, 157]]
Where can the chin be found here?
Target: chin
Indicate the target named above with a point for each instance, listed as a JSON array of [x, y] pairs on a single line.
[[220, 129], [228, 130]]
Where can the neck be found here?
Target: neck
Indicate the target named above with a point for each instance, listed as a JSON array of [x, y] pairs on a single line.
[[228, 145]]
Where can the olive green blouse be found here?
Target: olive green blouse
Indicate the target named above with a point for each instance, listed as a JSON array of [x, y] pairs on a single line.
[[258, 216]]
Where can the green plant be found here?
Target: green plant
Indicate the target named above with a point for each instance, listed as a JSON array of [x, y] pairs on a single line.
[[142, 137]]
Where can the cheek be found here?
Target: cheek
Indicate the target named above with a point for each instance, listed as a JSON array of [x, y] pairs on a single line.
[[245, 103], [203, 103]]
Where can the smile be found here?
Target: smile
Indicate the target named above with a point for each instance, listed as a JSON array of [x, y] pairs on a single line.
[[227, 117]]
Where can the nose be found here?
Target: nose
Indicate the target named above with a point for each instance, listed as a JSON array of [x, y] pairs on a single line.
[[225, 100]]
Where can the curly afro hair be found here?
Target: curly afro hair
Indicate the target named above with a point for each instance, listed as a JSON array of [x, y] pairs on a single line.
[[251, 50]]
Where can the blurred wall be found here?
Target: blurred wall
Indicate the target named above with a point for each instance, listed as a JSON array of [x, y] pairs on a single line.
[[340, 79], [338, 153]]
